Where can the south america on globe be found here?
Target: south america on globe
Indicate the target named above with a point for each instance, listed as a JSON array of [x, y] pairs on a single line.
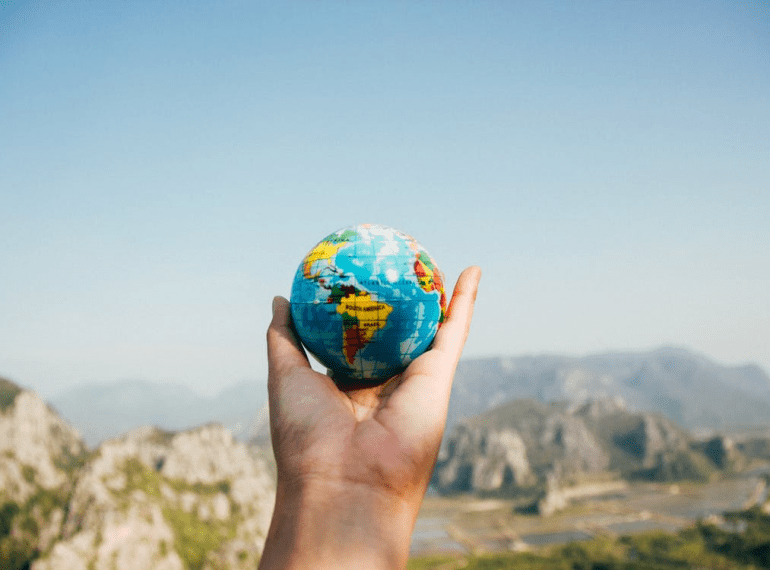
[[366, 301]]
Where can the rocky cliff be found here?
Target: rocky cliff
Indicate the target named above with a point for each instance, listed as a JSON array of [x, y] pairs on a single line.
[[151, 499], [37, 448], [40, 455], [526, 443]]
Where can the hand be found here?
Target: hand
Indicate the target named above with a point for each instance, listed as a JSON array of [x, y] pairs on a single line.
[[354, 464]]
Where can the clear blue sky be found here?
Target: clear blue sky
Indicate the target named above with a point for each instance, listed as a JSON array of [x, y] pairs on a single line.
[[164, 165]]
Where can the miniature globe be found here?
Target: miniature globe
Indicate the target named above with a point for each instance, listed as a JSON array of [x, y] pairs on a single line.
[[366, 301]]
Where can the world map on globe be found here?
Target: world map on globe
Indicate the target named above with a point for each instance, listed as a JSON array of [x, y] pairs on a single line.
[[366, 301]]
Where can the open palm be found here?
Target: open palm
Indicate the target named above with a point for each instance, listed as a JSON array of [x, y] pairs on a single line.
[[385, 438]]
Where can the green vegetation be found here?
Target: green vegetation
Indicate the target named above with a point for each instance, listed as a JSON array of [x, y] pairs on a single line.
[[140, 477], [71, 464], [194, 538], [752, 546], [28, 472], [7, 513], [8, 393], [524, 561], [200, 489], [20, 527], [743, 543]]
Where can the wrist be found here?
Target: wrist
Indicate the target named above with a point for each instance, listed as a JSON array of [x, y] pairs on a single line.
[[339, 525]]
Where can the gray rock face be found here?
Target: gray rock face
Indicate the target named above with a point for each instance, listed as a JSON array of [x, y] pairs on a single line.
[[151, 499], [159, 500], [649, 438], [525, 443], [39, 456], [553, 499], [721, 451], [755, 447], [36, 446], [483, 459], [516, 445], [570, 443]]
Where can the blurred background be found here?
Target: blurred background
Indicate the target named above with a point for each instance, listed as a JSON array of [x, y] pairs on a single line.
[[166, 165]]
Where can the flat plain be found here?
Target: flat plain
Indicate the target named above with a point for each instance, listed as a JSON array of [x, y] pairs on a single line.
[[469, 525]]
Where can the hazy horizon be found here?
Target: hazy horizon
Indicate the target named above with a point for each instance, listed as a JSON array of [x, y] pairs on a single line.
[[166, 166], [261, 381]]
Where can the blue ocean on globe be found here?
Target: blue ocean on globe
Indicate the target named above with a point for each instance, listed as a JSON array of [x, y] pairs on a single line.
[[366, 301]]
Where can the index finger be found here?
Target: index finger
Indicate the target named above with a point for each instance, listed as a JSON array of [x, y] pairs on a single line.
[[418, 404], [451, 337]]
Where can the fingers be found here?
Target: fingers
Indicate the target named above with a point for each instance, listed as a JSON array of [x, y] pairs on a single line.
[[284, 350], [451, 337], [420, 401]]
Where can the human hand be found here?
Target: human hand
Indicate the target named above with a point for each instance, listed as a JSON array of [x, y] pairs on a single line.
[[354, 463]]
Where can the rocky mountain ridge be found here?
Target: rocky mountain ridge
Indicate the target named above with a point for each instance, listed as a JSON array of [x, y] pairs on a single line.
[[199, 499], [688, 388], [152, 499], [529, 447], [36, 445], [39, 456]]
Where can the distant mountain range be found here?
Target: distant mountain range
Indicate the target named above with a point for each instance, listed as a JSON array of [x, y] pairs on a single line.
[[687, 388], [102, 411]]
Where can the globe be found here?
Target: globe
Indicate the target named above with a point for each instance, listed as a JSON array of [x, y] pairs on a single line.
[[366, 301]]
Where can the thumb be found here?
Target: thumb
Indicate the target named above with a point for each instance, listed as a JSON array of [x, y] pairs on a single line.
[[284, 350]]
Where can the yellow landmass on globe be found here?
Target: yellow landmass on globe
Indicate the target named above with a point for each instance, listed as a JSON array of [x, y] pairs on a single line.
[[324, 251], [362, 316]]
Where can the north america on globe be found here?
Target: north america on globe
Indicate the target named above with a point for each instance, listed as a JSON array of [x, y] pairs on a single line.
[[366, 301]]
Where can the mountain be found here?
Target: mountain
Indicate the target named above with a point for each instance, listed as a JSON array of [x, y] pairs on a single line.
[[40, 455], [526, 445], [163, 500], [685, 387], [152, 498], [102, 411]]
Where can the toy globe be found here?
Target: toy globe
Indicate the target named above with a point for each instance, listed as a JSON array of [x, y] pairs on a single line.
[[366, 301]]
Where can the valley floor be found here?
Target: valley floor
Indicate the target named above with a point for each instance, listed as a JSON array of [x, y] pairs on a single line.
[[468, 525]]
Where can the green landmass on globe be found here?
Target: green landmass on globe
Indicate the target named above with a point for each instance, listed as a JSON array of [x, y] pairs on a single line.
[[366, 301]]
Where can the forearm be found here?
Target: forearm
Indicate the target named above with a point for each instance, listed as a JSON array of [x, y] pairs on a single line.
[[339, 528]]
